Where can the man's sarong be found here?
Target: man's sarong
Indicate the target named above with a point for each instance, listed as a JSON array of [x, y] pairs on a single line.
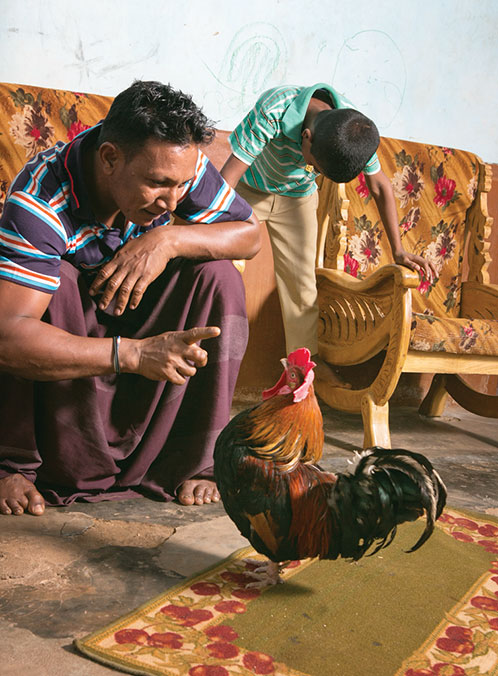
[[111, 437]]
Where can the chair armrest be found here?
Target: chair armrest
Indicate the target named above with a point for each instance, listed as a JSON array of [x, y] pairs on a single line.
[[392, 274], [479, 301], [359, 318]]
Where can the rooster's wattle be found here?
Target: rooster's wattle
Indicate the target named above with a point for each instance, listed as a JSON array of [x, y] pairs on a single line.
[[288, 508]]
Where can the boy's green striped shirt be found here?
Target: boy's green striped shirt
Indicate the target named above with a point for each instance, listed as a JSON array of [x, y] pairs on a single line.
[[269, 140]]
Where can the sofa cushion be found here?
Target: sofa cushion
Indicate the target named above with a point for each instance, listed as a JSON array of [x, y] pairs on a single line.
[[457, 336]]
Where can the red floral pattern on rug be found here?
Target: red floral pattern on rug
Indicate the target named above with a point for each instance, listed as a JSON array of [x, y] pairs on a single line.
[[466, 643], [184, 632], [186, 636]]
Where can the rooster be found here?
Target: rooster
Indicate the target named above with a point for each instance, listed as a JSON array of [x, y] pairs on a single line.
[[265, 466]]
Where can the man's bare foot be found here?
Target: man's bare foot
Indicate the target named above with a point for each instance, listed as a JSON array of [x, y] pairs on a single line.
[[326, 373], [198, 492], [17, 494]]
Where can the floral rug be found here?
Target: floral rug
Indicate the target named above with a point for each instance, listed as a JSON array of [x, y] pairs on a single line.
[[430, 613]]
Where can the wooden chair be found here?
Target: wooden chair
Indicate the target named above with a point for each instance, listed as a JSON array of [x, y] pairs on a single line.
[[372, 310]]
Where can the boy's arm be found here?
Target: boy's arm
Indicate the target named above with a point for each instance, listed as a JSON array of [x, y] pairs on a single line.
[[233, 170], [250, 137], [382, 192]]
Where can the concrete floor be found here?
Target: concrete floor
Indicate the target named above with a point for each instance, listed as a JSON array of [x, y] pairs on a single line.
[[78, 568]]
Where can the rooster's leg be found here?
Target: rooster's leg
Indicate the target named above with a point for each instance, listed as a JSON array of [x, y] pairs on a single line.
[[266, 573]]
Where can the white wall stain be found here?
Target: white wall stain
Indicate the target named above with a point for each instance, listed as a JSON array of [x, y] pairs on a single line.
[[370, 71]]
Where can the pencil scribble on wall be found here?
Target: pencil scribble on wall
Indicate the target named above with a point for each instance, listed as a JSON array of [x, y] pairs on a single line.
[[255, 60], [95, 67], [370, 70], [85, 54]]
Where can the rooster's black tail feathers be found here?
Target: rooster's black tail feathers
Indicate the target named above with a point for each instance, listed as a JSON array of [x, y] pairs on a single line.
[[386, 488]]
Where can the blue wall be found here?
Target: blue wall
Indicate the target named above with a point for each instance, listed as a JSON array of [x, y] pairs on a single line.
[[422, 70]]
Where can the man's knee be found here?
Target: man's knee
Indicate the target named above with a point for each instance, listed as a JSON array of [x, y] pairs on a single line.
[[68, 308], [229, 306], [225, 278], [223, 270]]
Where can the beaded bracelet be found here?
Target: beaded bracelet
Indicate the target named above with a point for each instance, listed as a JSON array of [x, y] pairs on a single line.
[[115, 344]]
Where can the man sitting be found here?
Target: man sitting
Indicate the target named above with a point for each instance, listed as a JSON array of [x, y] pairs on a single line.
[[105, 390]]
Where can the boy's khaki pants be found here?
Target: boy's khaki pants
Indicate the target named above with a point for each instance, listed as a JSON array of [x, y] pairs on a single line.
[[292, 227]]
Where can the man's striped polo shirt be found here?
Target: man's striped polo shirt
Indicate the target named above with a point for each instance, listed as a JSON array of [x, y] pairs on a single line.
[[47, 215], [269, 140]]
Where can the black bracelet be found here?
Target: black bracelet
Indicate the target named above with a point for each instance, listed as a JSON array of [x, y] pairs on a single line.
[[115, 344]]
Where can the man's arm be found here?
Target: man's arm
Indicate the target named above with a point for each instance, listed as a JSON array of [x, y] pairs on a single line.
[[382, 192], [139, 262], [221, 226], [36, 350]]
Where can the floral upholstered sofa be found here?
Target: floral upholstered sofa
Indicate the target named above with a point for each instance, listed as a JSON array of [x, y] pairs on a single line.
[[370, 306], [35, 118]]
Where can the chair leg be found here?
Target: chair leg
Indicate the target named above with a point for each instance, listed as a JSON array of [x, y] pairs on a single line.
[[375, 423], [470, 399], [434, 401]]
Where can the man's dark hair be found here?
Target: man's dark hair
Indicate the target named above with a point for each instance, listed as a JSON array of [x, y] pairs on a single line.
[[343, 141], [149, 109]]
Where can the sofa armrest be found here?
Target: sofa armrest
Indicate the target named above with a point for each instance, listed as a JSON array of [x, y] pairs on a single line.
[[391, 274], [359, 318]]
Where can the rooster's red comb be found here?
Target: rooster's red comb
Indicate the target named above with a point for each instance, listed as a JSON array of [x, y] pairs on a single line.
[[300, 358]]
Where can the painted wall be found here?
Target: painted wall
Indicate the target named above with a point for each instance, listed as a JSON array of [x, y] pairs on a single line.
[[422, 70]]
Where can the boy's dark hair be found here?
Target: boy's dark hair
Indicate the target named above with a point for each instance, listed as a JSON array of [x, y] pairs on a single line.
[[343, 141], [152, 109]]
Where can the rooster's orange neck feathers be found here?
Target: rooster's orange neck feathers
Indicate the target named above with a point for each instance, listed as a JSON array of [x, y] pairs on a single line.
[[286, 431]]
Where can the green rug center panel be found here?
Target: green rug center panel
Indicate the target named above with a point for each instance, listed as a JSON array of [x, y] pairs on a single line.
[[336, 618]]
